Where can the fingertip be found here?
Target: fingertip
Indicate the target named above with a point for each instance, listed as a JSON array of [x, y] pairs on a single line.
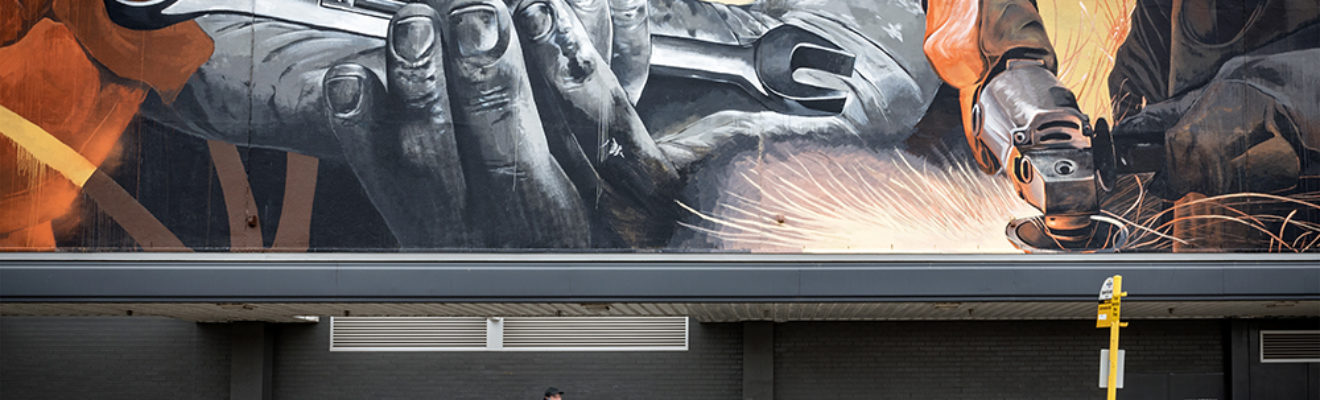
[[534, 19], [345, 87], [484, 62], [594, 15], [632, 45], [415, 62], [412, 33], [628, 13], [556, 44], [478, 31]]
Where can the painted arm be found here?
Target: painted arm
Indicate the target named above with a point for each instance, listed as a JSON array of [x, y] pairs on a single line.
[[968, 42]]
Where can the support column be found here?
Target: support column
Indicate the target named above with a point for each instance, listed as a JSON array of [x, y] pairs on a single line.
[[758, 360], [1239, 359], [251, 361]]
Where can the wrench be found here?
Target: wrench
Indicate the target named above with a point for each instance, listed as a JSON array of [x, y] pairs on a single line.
[[763, 69]]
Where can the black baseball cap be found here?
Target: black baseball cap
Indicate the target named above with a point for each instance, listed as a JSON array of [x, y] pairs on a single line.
[[551, 391]]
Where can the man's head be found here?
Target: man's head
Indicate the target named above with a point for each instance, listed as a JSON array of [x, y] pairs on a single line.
[[553, 393]]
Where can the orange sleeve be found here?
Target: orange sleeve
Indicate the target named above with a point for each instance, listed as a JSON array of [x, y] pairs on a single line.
[[18, 17], [953, 41], [65, 67], [967, 42], [49, 80], [163, 59]]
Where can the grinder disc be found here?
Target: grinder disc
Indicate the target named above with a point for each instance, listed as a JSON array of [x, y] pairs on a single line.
[[1031, 235]]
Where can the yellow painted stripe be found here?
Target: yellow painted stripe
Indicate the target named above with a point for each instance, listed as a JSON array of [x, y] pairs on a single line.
[[45, 147]]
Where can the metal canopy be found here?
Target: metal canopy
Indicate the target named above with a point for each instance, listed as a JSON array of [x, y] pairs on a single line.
[[710, 287], [653, 278], [700, 312]]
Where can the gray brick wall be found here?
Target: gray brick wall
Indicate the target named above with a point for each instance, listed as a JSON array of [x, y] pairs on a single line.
[[978, 360], [51, 358], [710, 370], [150, 358]]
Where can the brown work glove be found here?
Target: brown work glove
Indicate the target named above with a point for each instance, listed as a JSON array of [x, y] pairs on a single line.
[[1245, 131], [1236, 139]]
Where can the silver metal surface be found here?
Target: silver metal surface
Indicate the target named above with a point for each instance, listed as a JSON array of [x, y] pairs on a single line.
[[1290, 346], [698, 59], [1034, 235], [408, 333], [497, 333], [327, 14], [1031, 125], [764, 69]]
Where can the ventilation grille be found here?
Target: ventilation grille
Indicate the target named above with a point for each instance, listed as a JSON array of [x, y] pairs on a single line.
[[1290, 346], [601, 333], [508, 334], [404, 334]]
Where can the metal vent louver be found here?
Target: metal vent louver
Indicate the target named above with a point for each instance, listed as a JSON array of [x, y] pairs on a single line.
[[508, 334], [407, 334], [1290, 346], [595, 333]]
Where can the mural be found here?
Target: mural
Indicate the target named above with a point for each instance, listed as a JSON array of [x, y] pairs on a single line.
[[875, 126]]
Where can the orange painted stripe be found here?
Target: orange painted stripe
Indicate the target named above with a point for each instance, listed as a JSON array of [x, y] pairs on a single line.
[[244, 227]]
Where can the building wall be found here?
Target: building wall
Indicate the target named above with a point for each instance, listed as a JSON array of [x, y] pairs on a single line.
[[149, 358], [980, 360], [52, 358], [210, 138]]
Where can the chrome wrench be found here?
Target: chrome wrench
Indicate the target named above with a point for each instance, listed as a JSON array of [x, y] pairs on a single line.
[[764, 68]]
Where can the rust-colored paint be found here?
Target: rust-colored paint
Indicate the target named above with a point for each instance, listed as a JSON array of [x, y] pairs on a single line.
[[65, 93], [295, 229], [163, 59], [1191, 205], [244, 228], [19, 16], [72, 72], [149, 233], [953, 47]]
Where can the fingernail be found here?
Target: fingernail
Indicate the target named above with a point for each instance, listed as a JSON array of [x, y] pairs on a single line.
[[536, 20], [344, 93], [413, 37], [476, 29]]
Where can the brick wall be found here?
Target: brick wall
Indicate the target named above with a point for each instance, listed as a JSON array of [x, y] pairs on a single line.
[[51, 358], [710, 370], [978, 360], [149, 358]]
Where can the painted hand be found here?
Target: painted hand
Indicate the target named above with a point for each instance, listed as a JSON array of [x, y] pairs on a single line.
[[509, 123], [1234, 139], [1239, 133]]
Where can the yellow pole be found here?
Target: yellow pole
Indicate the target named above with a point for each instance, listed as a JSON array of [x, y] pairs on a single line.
[[1113, 337]]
